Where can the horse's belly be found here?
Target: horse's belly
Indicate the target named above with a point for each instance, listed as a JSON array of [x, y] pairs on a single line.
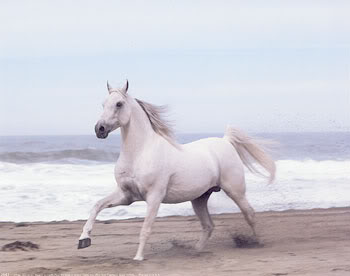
[[190, 182], [179, 196], [182, 193]]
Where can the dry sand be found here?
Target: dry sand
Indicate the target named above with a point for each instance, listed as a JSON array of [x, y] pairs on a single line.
[[312, 242]]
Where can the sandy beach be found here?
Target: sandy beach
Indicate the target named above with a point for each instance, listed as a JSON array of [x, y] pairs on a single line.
[[310, 242]]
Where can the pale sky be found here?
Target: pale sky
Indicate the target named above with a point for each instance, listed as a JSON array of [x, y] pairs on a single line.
[[257, 65]]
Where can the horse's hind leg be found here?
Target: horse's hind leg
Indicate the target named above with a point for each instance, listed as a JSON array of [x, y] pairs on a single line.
[[237, 194], [114, 199], [247, 211], [200, 207]]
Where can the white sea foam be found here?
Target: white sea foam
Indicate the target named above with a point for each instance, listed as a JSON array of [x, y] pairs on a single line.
[[46, 192]]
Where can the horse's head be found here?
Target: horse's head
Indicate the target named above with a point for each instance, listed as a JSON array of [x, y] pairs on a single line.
[[116, 111]]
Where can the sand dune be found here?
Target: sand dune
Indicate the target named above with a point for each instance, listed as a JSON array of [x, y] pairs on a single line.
[[312, 242]]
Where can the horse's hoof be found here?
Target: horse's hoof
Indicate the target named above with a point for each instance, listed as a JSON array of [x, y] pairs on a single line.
[[138, 258], [199, 247], [84, 243]]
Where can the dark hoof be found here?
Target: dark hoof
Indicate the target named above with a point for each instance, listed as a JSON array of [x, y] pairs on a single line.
[[84, 243]]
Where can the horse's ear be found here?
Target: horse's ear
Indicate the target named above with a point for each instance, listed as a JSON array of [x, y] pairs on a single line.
[[126, 87], [109, 88]]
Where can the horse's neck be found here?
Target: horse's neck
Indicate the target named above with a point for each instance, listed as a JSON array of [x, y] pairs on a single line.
[[136, 133]]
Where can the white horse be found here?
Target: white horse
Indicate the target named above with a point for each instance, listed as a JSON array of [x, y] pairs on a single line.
[[153, 167]]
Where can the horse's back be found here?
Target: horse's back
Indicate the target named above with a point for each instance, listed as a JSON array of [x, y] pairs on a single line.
[[219, 148]]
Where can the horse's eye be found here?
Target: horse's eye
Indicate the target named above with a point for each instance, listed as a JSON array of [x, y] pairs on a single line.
[[119, 104]]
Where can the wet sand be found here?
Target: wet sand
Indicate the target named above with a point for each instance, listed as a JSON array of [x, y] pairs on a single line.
[[310, 242]]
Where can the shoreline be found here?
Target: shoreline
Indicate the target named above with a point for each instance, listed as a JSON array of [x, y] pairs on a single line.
[[170, 216], [291, 242]]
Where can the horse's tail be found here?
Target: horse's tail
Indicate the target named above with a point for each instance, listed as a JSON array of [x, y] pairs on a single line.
[[249, 149]]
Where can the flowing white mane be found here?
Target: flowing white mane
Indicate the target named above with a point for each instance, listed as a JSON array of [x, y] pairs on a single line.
[[155, 114]]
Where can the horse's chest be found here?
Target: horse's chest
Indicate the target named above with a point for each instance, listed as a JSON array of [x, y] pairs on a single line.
[[133, 181], [126, 180]]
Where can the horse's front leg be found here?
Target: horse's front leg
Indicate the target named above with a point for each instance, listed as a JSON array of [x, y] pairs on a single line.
[[114, 199], [153, 203]]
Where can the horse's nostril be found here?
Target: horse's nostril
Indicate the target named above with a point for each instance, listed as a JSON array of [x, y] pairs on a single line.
[[101, 129]]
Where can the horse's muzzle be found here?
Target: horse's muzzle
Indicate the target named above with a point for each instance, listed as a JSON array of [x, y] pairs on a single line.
[[101, 130]]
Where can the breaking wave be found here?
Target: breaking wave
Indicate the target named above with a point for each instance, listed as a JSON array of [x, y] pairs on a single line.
[[66, 156], [58, 191]]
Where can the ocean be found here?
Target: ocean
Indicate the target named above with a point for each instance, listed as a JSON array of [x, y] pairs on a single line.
[[48, 178]]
